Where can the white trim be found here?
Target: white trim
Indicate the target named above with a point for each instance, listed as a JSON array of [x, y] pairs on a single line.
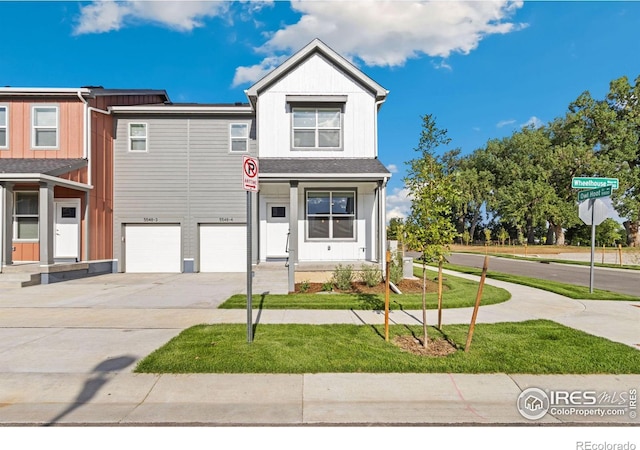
[[244, 138], [5, 126], [138, 138], [43, 127], [327, 176], [43, 91]]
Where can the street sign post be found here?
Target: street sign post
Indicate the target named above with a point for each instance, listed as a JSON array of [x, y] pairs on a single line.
[[593, 182], [592, 212], [595, 193], [249, 184]]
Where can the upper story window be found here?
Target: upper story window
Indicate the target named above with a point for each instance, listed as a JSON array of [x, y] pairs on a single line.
[[44, 121], [4, 126], [317, 128], [137, 137], [239, 137]]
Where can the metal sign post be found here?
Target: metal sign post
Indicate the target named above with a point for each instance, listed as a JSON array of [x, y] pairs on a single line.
[[593, 242], [250, 184]]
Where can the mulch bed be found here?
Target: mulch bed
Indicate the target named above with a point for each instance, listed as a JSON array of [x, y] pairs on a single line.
[[406, 286], [435, 347]]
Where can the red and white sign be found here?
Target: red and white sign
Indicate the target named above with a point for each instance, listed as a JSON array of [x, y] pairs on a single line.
[[250, 174]]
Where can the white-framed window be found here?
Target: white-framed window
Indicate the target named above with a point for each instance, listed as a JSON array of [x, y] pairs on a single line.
[[44, 127], [317, 128], [4, 126], [331, 215], [25, 216], [239, 137], [138, 137]]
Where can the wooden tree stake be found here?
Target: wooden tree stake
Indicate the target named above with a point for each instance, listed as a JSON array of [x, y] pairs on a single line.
[[477, 305], [386, 296]]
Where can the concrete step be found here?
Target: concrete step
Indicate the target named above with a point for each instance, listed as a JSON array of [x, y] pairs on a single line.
[[18, 280]]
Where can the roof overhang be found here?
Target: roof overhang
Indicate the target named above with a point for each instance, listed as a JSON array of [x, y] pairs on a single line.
[[44, 92], [175, 109], [42, 178], [315, 47], [324, 176]]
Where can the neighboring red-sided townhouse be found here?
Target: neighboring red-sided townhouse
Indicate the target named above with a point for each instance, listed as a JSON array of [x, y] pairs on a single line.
[[56, 175]]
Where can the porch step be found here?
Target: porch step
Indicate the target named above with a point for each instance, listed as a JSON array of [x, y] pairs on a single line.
[[18, 280]]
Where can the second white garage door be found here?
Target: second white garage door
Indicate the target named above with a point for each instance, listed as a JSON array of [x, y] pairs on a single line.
[[223, 248], [152, 248]]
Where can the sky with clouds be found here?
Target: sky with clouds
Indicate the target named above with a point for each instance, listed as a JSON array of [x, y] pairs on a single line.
[[482, 68]]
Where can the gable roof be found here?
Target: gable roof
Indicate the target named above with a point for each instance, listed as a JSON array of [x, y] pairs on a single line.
[[315, 47]]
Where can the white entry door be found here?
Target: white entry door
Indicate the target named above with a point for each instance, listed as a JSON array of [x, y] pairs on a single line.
[[277, 230], [66, 243]]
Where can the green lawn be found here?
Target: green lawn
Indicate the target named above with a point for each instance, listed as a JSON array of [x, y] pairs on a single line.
[[460, 293], [568, 290], [533, 347]]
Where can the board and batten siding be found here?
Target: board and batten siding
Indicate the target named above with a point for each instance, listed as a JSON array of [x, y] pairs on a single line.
[[316, 76], [187, 176]]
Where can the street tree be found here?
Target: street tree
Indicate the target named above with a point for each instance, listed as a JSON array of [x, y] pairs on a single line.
[[433, 191]]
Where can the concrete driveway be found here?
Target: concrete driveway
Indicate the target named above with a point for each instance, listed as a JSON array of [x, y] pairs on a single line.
[[75, 326]]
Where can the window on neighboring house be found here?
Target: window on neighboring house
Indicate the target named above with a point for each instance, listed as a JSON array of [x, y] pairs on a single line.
[[137, 137], [239, 137], [318, 128], [4, 126], [45, 127], [25, 216], [331, 214]]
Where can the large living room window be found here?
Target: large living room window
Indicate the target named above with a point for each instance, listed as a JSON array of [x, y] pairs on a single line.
[[25, 216], [317, 128], [331, 215]]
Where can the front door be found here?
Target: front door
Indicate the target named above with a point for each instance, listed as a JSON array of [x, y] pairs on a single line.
[[66, 243], [277, 230]]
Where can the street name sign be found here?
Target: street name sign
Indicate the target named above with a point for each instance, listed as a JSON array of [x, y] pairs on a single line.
[[594, 193], [593, 182]]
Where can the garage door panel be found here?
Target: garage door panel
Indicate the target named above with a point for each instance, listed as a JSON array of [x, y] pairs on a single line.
[[223, 248], [153, 249]]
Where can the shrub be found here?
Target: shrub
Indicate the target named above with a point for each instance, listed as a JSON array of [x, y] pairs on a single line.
[[304, 286], [327, 286], [370, 275], [396, 271], [342, 277]]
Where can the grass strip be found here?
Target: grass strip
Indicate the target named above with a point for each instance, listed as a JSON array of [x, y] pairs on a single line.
[[559, 261], [568, 290], [460, 293], [532, 347]]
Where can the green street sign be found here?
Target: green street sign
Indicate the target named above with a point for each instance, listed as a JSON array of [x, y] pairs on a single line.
[[593, 182], [594, 193]]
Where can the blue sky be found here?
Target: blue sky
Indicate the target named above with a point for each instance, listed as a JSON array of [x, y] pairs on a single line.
[[482, 68]]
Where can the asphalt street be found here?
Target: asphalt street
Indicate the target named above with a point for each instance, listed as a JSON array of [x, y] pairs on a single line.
[[615, 280]]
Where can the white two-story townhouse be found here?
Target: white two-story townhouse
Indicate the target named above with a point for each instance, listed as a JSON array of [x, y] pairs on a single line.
[[179, 203], [322, 187]]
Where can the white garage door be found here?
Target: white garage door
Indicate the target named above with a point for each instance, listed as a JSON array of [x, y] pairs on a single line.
[[223, 248], [152, 248]]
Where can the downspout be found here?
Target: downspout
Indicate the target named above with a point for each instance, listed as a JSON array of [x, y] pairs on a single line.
[[375, 125]]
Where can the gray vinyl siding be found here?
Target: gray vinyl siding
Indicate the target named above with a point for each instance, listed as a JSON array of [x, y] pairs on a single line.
[[187, 175]]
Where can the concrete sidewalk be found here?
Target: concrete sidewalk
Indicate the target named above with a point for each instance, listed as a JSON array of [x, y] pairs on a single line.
[[67, 353]]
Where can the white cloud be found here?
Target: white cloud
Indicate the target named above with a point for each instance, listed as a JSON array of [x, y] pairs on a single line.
[[392, 168], [398, 203], [388, 32], [102, 16], [254, 73], [533, 121], [442, 65], [504, 123]]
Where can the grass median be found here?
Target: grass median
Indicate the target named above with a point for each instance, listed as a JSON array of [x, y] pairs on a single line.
[[533, 347], [459, 293], [568, 290]]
